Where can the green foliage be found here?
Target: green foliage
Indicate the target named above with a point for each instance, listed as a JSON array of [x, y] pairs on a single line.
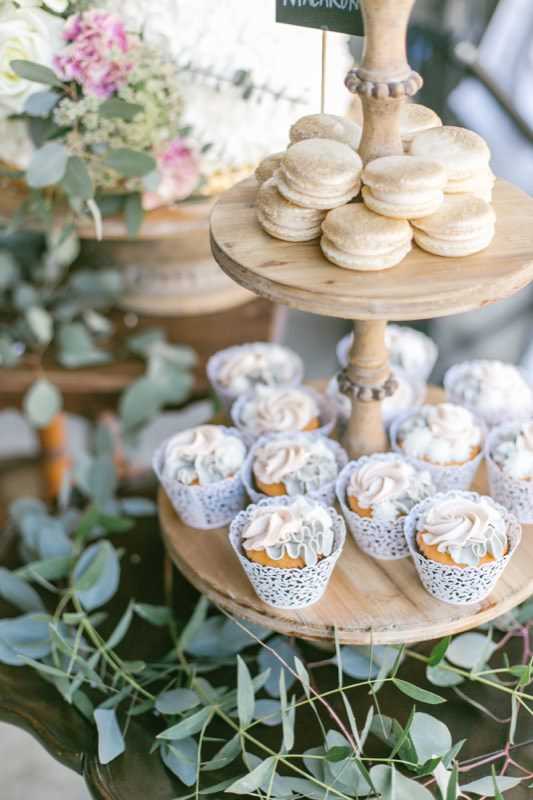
[[47, 165], [35, 72], [41, 403], [130, 163]]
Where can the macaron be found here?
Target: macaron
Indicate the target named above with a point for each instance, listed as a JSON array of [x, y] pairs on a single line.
[[463, 153], [319, 173], [404, 187], [356, 238], [285, 220], [481, 185], [415, 119], [327, 126], [268, 166], [463, 225]]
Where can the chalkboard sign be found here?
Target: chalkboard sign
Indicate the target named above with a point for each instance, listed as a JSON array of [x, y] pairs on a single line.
[[343, 16]]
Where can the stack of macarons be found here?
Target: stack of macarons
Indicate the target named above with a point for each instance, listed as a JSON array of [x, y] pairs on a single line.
[[438, 192]]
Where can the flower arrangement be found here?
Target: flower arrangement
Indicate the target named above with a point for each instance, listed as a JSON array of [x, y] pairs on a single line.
[[104, 110]]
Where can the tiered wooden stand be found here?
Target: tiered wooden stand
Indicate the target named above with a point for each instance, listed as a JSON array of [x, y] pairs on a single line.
[[367, 601]]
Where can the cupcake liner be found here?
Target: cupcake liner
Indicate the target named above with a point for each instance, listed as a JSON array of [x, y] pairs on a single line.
[[446, 479], [204, 507], [491, 420], [422, 374], [226, 397], [384, 541], [324, 495], [287, 588], [327, 414], [514, 494], [459, 586]]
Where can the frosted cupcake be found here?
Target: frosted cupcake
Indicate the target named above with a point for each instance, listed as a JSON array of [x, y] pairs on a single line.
[[409, 393], [293, 464], [200, 472], [280, 410], [237, 370], [376, 493], [446, 439], [461, 542], [509, 454], [495, 391], [288, 549]]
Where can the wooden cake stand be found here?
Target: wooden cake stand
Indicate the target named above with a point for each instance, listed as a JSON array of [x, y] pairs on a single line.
[[367, 600]]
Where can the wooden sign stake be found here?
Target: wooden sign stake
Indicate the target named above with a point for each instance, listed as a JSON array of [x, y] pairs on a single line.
[[324, 71]]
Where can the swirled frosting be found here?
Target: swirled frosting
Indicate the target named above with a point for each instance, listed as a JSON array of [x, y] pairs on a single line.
[[301, 466], [404, 398], [203, 455], [278, 410], [252, 365], [442, 434], [514, 453], [466, 530], [492, 388], [302, 529], [391, 487]]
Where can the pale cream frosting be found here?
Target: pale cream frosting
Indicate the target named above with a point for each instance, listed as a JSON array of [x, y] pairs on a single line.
[[246, 367], [442, 434], [493, 388], [278, 410], [302, 467], [514, 453], [391, 487], [466, 530], [203, 455], [303, 529]]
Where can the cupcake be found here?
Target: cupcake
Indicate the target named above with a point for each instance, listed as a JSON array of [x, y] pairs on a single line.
[[408, 394], [282, 410], [375, 494], [446, 439], [237, 370], [493, 390], [461, 542], [288, 548], [200, 472], [293, 464], [409, 349], [509, 455]]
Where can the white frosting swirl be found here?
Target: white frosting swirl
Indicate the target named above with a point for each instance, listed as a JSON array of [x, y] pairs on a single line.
[[300, 530], [444, 434], [466, 530], [301, 466], [277, 460], [248, 366], [203, 455], [278, 410], [377, 481], [514, 453], [493, 388]]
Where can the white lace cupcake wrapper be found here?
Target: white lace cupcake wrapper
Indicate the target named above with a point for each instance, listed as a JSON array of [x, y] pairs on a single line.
[[287, 588], [491, 420], [516, 495], [421, 374], [324, 495], [227, 397], [204, 507], [445, 479], [384, 541], [326, 407], [459, 586]]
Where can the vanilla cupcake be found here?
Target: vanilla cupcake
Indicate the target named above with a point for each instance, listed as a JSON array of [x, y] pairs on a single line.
[[239, 369], [409, 393], [293, 464], [282, 410], [461, 542], [446, 439], [288, 549], [494, 391], [200, 472], [410, 350], [375, 494], [509, 455]]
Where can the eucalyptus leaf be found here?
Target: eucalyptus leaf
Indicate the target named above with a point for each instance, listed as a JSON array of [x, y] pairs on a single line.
[[357, 664], [96, 575], [187, 727], [470, 650], [254, 780], [18, 593], [77, 182], [175, 701], [181, 759], [102, 481], [76, 347], [392, 785], [40, 323], [430, 737], [130, 163], [110, 740], [268, 712], [439, 676], [9, 270], [133, 213], [226, 755], [439, 651], [139, 403], [47, 165], [34, 72], [344, 773], [141, 344], [42, 402], [138, 506], [48, 569], [486, 786], [220, 638], [115, 107], [416, 693], [155, 615], [245, 694], [268, 660], [23, 637], [40, 104]]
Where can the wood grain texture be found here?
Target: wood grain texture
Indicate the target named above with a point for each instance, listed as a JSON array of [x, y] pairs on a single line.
[[368, 601], [422, 287]]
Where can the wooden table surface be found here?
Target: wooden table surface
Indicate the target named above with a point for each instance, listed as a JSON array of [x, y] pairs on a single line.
[[30, 703]]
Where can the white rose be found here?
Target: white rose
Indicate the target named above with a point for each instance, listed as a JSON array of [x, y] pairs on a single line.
[[30, 34]]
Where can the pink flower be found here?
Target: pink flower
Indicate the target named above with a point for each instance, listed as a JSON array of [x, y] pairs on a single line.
[[95, 56], [179, 168]]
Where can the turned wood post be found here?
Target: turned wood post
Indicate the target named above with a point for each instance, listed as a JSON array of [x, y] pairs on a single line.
[[384, 80]]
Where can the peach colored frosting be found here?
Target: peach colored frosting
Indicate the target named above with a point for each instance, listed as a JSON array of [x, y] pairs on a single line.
[[275, 461], [378, 481], [283, 410], [203, 455], [441, 434]]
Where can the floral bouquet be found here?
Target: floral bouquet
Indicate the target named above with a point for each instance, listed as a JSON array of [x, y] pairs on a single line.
[[103, 108]]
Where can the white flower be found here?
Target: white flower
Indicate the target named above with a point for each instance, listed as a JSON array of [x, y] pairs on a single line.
[[58, 6], [30, 34]]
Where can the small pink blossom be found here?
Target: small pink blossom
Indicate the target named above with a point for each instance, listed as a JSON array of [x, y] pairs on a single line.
[[96, 53], [179, 168]]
